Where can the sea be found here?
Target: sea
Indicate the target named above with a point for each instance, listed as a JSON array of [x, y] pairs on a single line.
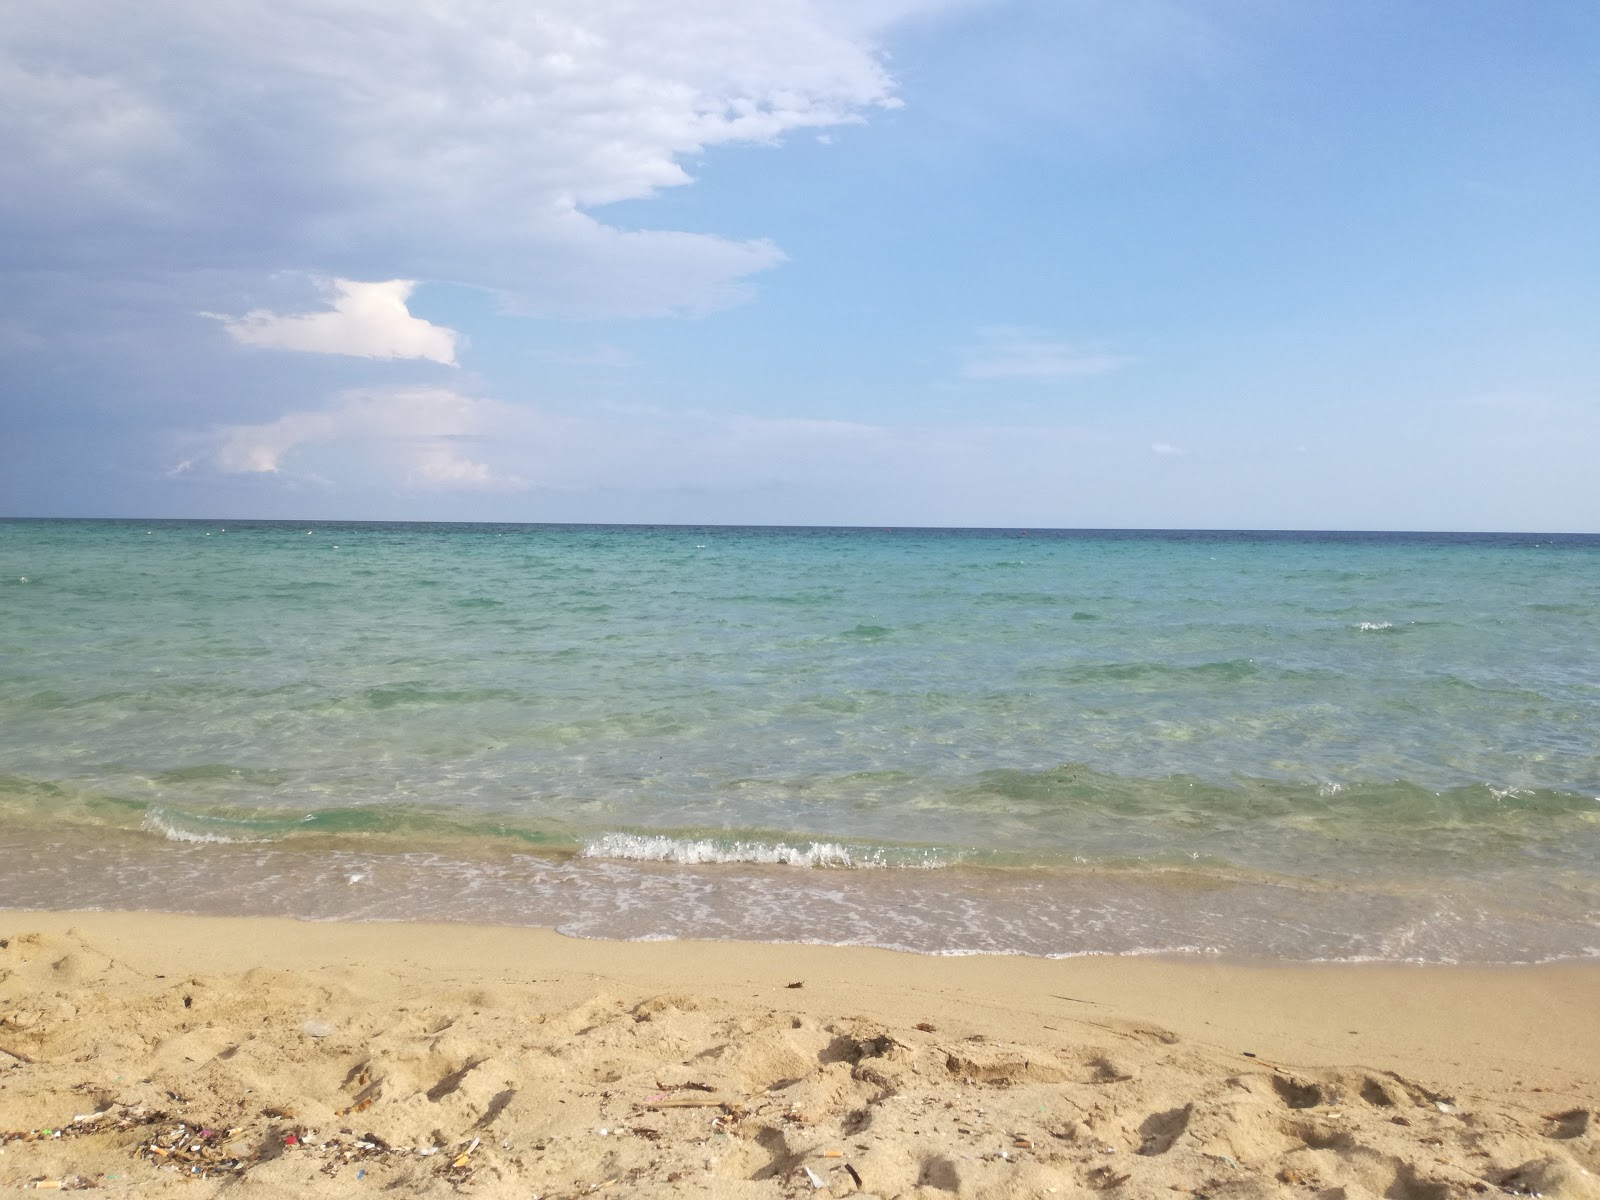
[[1262, 745]]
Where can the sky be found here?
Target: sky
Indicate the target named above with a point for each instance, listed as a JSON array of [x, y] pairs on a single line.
[[1329, 264]]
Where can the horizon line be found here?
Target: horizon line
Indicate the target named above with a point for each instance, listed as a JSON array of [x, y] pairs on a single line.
[[880, 528]]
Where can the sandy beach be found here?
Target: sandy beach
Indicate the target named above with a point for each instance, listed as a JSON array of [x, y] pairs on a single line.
[[158, 1054]]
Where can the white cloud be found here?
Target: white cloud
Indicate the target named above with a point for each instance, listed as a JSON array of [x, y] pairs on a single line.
[[413, 437], [1008, 352], [367, 320], [369, 138], [445, 467], [1166, 449], [438, 440]]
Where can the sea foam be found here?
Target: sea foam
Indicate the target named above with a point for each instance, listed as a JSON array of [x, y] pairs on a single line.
[[158, 821], [641, 847]]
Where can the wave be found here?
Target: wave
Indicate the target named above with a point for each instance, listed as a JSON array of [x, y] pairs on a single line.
[[868, 633], [1068, 817], [1207, 673], [818, 596], [170, 826], [690, 851], [1046, 599], [203, 773], [413, 693]]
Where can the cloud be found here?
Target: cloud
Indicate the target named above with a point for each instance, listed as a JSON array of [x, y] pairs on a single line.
[[1166, 449], [364, 139], [368, 320], [1008, 352], [411, 437], [439, 440]]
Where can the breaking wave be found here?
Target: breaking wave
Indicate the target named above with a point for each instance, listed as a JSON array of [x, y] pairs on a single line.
[[642, 847], [169, 826]]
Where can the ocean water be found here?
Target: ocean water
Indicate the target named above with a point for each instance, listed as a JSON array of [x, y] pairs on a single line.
[[1292, 746]]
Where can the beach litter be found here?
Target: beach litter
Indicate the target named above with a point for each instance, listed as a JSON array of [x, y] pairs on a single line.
[[202, 1149], [196, 1150], [706, 1097], [684, 1102], [460, 1167]]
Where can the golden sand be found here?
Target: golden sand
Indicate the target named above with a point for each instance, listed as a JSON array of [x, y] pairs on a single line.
[[155, 1055]]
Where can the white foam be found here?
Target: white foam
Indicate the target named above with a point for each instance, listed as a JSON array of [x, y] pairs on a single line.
[[157, 821], [1374, 626], [641, 847], [1508, 793]]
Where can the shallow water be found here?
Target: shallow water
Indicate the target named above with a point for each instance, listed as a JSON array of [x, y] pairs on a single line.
[[1042, 742]]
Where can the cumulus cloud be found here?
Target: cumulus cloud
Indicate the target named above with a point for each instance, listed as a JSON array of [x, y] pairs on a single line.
[[1009, 352], [367, 320], [370, 138], [416, 437]]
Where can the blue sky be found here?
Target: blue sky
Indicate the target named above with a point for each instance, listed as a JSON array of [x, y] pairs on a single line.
[[1216, 263]]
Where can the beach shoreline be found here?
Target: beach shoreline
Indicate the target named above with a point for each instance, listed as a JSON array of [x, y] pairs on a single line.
[[1066, 911], [511, 1048]]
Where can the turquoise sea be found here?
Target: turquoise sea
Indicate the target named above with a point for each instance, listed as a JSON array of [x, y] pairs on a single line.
[[1276, 745]]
